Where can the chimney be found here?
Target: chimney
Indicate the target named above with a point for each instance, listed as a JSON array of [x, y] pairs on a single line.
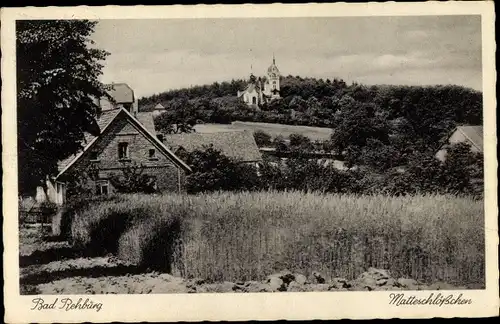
[[135, 107]]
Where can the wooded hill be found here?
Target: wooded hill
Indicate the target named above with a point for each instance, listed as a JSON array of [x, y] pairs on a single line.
[[421, 115]]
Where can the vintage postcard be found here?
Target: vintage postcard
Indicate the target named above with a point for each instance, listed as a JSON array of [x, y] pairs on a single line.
[[249, 162]]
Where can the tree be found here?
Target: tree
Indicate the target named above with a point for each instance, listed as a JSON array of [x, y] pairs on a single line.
[[358, 122], [300, 143], [462, 168], [57, 82], [179, 118], [212, 171]]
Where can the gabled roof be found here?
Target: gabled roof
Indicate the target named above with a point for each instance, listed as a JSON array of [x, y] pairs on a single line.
[[104, 121], [239, 145], [474, 134], [251, 87], [159, 106], [121, 92]]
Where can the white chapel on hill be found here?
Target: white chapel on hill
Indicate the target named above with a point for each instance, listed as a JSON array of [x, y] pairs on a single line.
[[259, 91]]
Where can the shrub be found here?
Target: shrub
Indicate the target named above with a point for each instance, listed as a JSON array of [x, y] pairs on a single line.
[[308, 175], [300, 142], [213, 171], [280, 144], [262, 138]]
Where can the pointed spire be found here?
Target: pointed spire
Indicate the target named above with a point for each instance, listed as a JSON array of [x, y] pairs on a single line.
[[274, 60]]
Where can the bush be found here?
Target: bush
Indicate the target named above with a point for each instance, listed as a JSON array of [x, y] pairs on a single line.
[[300, 142], [262, 139], [213, 171], [307, 175], [461, 174]]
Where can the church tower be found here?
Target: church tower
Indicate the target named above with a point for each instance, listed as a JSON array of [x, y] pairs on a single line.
[[272, 87]]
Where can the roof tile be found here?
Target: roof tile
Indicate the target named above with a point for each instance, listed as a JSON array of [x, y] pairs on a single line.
[[474, 134], [102, 121], [239, 145]]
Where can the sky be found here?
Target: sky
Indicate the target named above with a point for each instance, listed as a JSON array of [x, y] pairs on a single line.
[[153, 56]]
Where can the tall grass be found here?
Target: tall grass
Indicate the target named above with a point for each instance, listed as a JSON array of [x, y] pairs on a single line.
[[246, 236]]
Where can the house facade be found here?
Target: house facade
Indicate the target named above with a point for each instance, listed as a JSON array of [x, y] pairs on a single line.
[[125, 141]]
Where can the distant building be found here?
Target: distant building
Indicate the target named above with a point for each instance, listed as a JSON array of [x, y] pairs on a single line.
[[472, 135], [158, 109], [259, 91]]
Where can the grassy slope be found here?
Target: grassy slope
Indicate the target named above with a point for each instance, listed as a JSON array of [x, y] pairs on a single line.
[[314, 133]]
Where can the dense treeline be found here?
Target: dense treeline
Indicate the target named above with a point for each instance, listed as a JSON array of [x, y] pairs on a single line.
[[460, 174], [385, 120]]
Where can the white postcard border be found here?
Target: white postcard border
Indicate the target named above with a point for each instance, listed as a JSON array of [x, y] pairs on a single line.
[[258, 306]]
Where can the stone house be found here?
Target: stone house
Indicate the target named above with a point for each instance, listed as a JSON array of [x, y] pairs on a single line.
[[127, 138]]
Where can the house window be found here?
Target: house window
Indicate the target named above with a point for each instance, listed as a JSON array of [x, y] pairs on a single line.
[[152, 154], [254, 100], [94, 156], [153, 183], [123, 151], [103, 187]]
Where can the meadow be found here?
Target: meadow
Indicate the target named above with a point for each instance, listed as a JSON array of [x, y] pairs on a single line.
[[314, 133], [246, 236]]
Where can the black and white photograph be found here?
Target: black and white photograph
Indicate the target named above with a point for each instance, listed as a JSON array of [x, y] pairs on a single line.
[[251, 155]]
